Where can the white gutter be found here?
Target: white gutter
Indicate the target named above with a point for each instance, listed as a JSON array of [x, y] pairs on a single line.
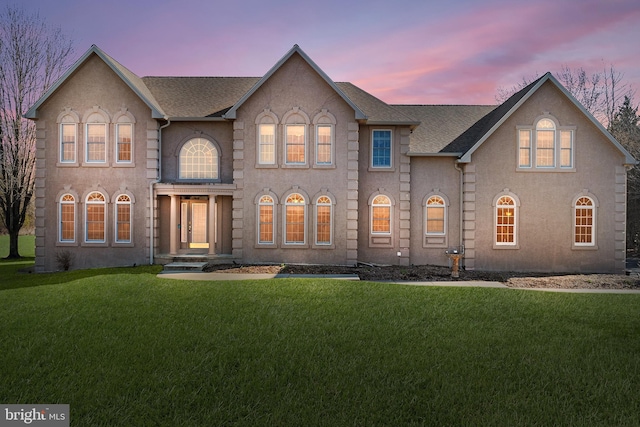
[[151, 184], [461, 224]]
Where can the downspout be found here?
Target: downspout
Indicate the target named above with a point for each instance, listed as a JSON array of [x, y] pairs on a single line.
[[151, 184], [455, 165]]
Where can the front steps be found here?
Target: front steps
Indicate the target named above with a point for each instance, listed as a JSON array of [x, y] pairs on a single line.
[[190, 262]]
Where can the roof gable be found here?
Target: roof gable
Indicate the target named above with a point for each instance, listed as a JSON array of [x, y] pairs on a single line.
[[128, 77], [470, 140], [231, 114]]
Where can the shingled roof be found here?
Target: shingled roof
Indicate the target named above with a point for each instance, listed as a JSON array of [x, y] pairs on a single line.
[[440, 124]]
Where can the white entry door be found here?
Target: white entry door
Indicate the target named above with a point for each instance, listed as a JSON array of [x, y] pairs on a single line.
[[193, 224]]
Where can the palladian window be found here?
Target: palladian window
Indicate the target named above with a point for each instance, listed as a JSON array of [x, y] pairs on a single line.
[[265, 218], [506, 221], [95, 218], [67, 215], [295, 213], [584, 228]]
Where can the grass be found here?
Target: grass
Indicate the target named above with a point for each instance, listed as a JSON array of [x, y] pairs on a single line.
[[124, 347]]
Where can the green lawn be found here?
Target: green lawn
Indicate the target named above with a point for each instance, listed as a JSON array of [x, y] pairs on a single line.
[[126, 348], [26, 246]]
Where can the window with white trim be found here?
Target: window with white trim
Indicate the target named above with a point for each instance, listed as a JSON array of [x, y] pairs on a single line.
[[68, 137], [584, 222], [67, 216], [505, 217], [381, 215], [381, 146], [324, 144], [267, 144], [266, 209], [545, 146], [198, 160], [295, 219], [124, 143], [95, 218], [96, 142], [295, 144], [324, 221], [123, 219], [435, 215]]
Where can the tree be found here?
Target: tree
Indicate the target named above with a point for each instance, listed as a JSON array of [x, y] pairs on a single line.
[[600, 93], [624, 127], [32, 57]]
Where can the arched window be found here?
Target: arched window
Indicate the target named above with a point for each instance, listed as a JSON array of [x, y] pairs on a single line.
[[95, 218], [266, 221], [506, 221], [324, 220], [545, 143], [123, 219], [295, 214], [435, 216], [96, 131], [381, 215], [325, 138], [124, 136], [584, 222], [198, 160], [67, 215]]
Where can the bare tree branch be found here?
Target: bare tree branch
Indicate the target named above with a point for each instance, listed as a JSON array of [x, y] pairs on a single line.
[[32, 57]]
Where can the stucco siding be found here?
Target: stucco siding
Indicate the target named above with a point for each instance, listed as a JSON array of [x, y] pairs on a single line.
[[545, 215], [94, 87], [295, 88]]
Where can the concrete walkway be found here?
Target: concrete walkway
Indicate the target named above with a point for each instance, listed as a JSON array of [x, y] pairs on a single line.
[[460, 283]]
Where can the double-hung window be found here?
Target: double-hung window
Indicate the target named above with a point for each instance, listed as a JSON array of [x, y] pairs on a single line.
[[324, 214], [381, 145], [67, 215], [295, 214], [435, 216], [324, 144], [381, 215], [124, 142], [123, 219], [266, 220], [267, 144], [96, 142], [295, 144], [68, 132], [95, 218]]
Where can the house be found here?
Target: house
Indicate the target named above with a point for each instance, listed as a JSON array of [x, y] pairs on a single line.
[[292, 167]]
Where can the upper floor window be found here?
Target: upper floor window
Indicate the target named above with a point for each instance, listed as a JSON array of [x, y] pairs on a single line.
[[381, 215], [123, 219], [68, 135], [198, 160], [505, 221], [435, 215], [295, 144], [267, 144], [545, 146], [324, 144], [96, 142], [381, 148], [67, 215], [584, 222], [95, 218], [296, 123], [325, 124], [124, 142], [295, 216]]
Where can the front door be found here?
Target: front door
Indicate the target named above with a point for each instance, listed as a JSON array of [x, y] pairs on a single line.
[[193, 224]]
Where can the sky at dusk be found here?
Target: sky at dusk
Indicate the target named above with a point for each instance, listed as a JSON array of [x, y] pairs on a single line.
[[402, 51]]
